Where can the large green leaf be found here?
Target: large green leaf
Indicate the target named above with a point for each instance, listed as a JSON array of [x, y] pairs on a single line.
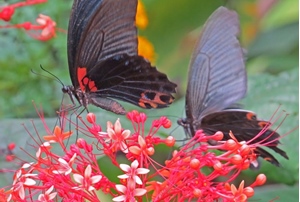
[[280, 193]]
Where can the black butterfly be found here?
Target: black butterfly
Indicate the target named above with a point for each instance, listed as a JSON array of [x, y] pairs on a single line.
[[103, 60], [217, 80]]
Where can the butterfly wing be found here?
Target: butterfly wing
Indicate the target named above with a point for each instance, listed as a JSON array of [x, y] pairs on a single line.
[[217, 75], [100, 29], [217, 80], [131, 79], [245, 127], [103, 59]]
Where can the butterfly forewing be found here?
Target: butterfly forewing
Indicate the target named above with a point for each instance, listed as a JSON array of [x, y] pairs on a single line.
[[99, 30], [217, 76]]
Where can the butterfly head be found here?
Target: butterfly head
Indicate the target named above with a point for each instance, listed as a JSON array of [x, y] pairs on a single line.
[[78, 94]]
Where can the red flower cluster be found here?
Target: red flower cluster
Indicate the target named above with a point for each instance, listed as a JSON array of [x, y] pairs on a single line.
[[76, 174], [184, 179], [45, 28]]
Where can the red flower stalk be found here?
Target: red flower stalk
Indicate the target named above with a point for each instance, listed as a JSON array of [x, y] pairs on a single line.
[[45, 28], [6, 12], [76, 175]]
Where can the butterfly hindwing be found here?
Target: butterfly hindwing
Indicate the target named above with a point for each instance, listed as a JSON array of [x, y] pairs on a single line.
[[245, 126], [132, 79]]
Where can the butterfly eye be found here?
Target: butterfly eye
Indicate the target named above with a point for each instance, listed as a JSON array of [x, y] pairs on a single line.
[[65, 89]]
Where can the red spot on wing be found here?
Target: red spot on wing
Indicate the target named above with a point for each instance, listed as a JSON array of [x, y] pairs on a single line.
[[263, 124], [250, 116], [153, 102], [85, 83], [142, 103], [81, 72], [92, 86]]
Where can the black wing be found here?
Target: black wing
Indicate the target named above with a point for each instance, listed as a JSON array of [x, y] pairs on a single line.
[[245, 127], [100, 29], [217, 75], [132, 79]]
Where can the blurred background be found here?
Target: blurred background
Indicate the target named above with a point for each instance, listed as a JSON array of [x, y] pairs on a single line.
[[269, 33]]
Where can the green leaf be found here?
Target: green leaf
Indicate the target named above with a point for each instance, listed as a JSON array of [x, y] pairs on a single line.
[[276, 192], [281, 40], [267, 94]]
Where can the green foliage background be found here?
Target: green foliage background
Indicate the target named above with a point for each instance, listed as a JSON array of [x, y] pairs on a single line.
[[174, 26]]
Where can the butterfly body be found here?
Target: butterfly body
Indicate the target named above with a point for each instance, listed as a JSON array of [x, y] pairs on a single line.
[[217, 81], [103, 60]]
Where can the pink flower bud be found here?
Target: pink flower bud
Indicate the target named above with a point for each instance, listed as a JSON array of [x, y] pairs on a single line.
[[248, 191], [195, 164], [91, 118], [170, 141]]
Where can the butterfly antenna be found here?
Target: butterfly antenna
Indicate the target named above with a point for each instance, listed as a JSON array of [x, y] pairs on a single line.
[[56, 78]]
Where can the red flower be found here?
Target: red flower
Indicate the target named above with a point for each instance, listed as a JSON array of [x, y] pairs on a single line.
[[48, 196], [45, 28], [133, 171], [76, 176], [117, 136], [87, 180], [58, 135]]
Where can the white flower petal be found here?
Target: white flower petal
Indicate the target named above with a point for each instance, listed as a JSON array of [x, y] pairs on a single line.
[[125, 167], [29, 182], [46, 144], [139, 192], [142, 171], [22, 192], [42, 197], [126, 134], [141, 141], [118, 126], [52, 196], [63, 161], [124, 176], [88, 171], [111, 133], [134, 164], [27, 165], [49, 190], [138, 180], [29, 175], [119, 198], [57, 172], [121, 188], [91, 188], [68, 171], [96, 179], [38, 153], [78, 178]]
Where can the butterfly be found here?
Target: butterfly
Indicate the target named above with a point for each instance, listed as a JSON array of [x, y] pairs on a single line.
[[103, 61], [217, 81]]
